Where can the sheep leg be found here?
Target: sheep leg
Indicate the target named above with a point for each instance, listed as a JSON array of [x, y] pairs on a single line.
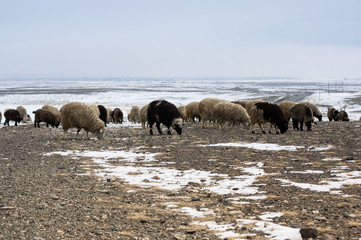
[[151, 127], [301, 126], [295, 124], [158, 127], [260, 126], [35, 124], [47, 125], [16, 123]]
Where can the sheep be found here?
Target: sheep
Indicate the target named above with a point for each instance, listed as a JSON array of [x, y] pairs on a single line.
[[143, 115], [23, 114], [42, 115], [80, 115], [52, 109], [206, 107], [109, 115], [231, 113], [103, 114], [315, 111], [193, 112], [161, 111], [12, 115], [262, 112], [182, 110], [301, 113], [243, 103], [117, 116], [342, 116], [286, 108], [332, 114], [134, 115]]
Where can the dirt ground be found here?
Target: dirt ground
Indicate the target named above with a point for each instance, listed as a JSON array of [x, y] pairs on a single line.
[[57, 197]]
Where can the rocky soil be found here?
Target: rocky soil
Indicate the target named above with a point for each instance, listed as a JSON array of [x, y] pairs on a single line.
[[57, 197]]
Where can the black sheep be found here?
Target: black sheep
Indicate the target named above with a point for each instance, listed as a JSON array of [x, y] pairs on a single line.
[[12, 115], [164, 112], [273, 114], [42, 115], [103, 114], [117, 116]]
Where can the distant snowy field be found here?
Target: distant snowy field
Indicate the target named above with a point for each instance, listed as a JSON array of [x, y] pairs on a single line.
[[125, 93]]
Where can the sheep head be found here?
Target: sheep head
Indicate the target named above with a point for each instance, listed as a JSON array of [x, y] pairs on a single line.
[[177, 124], [100, 132]]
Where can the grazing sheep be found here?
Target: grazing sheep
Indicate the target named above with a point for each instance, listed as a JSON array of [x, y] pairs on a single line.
[[342, 116], [301, 113], [164, 112], [192, 111], [103, 114], [262, 112], [52, 109], [12, 115], [117, 116], [80, 115], [242, 103], [109, 115], [286, 108], [143, 116], [315, 111], [332, 114], [182, 110], [42, 115], [231, 113], [134, 115], [23, 114], [206, 109]]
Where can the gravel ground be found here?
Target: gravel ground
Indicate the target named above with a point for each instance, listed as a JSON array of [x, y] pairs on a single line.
[[56, 197]]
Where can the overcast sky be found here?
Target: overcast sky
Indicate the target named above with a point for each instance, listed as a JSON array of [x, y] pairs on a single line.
[[188, 38]]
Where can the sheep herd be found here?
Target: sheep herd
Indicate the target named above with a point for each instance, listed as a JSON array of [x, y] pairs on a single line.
[[93, 118]]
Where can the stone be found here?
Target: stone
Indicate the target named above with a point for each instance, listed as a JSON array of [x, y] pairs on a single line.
[[307, 233]]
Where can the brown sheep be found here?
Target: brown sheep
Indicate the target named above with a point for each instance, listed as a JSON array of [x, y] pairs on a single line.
[[12, 115], [286, 108], [42, 115], [52, 109], [316, 112], [262, 112], [117, 116], [332, 114], [342, 116], [301, 113]]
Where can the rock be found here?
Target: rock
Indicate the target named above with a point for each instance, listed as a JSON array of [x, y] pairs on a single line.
[[196, 199], [307, 233]]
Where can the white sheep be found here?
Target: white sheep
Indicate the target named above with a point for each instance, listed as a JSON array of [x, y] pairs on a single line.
[[193, 112], [143, 116], [230, 113], [206, 109], [80, 115], [182, 110], [52, 109], [109, 115], [23, 114], [134, 115], [286, 108]]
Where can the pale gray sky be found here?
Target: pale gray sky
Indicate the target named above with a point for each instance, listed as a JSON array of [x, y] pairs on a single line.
[[189, 38]]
